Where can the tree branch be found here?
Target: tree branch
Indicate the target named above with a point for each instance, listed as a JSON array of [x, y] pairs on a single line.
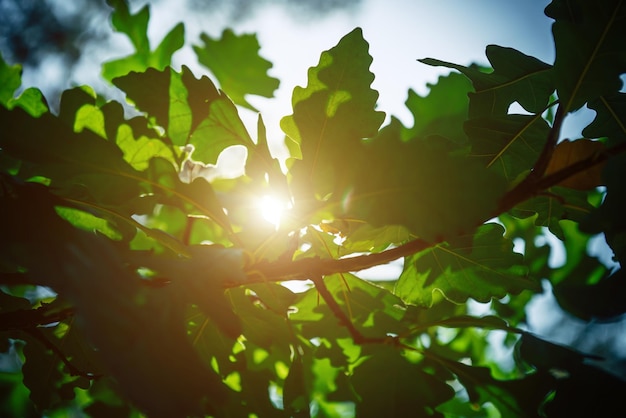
[[308, 268], [519, 195], [527, 187]]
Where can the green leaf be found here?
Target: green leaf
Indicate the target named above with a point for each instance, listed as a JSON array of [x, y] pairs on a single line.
[[150, 91], [139, 151], [373, 310], [195, 198], [516, 77], [192, 111], [10, 81], [72, 161], [442, 111], [485, 322], [262, 326], [222, 128], [88, 222], [75, 162], [260, 164], [481, 266], [331, 116], [609, 217], [364, 237], [610, 120], [434, 194], [509, 145], [32, 101], [295, 393], [401, 388], [513, 398], [554, 205], [237, 65], [590, 53], [136, 28], [202, 278]]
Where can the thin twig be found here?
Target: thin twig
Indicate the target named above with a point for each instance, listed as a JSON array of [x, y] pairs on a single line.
[[358, 338]]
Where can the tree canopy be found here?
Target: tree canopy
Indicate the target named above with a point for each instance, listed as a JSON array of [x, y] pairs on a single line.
[[135, 280]]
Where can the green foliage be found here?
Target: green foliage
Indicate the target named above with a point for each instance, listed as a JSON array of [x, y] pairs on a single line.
[[133, 282]]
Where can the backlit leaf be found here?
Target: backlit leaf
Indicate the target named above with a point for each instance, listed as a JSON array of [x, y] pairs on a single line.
[[10, 80], [237, 65], [136, 28], [191, 110], [331, 116]]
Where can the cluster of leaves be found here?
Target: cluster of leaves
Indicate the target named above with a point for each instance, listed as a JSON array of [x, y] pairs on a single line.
[[168, 294]]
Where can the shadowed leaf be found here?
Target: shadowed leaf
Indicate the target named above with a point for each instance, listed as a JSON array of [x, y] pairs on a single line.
[[590, 56], [516, 78], [481, 266]]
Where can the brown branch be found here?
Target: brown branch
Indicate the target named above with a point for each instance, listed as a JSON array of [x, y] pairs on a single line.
[[528, 187], [519, 195], [309, 268], [539, 169]]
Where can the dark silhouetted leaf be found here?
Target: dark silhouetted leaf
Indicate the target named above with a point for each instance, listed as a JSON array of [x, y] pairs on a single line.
[[555, 205], [590, 56], [610, 120], [516, 78], [509, 145], [419, 185], [400, 388]]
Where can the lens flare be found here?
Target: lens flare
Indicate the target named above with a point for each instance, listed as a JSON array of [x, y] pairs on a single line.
[[271, 209]]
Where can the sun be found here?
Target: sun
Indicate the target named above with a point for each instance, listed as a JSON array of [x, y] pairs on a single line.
[[272, 209]]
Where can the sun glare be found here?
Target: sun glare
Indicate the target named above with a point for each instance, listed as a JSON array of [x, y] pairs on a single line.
[[271, 209]]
